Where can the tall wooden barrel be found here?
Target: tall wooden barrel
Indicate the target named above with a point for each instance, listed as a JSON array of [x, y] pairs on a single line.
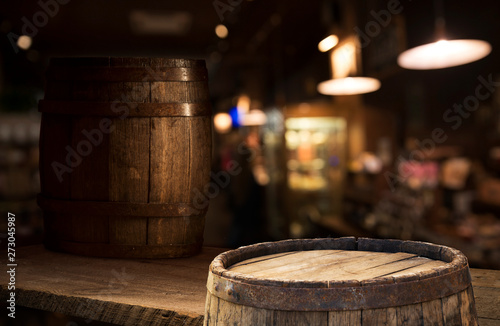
[[340, 281], [125, 147]]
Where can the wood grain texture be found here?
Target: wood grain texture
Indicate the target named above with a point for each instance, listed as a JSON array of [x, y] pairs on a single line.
[[93, 145], [451, 310], [488, 322], [364, 287], [170, 166], [175, 230], [178, 92], [488, 298], [129, 177], [432, 313], [154, 292], [467, 308], [170, 170], [252, 316], [88, 91], [325, 265], [228, 313], [123, 292], [212, 310], [129, 160], [483, 278], [340, 318], [299, 318], [374, 317], [149, 156], [200, 149], [421, 265], [409, 315]]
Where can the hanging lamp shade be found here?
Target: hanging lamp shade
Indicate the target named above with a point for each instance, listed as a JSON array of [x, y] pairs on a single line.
[[346, 70], [444, 54], [349, 86]]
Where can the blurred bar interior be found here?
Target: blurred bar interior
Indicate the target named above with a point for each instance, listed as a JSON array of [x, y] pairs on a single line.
[[415, 154]]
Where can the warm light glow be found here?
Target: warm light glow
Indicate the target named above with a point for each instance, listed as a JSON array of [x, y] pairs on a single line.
[[243, 104], [328, 43], [222, 123], [24, 42], [221, 31], [349, 86], [344, 59], [312, 123], [253, 118], [444, 54]]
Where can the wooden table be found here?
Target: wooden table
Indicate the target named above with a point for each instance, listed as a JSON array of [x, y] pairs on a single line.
[[149, 292]]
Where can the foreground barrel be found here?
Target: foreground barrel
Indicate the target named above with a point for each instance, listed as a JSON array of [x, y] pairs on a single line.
[[125, 147], [340, 282]]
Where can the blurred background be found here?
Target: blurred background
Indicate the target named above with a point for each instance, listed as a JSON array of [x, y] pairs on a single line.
[[419, 158]]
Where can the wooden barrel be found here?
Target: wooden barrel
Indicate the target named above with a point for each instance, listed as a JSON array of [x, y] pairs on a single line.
[[125, 146], [340, 281]]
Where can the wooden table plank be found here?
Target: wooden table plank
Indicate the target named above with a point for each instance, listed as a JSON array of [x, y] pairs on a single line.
[[123, 292], [149, 292]]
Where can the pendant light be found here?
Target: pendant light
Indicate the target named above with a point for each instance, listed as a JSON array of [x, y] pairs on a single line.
[[346, 66], [443, 53], [349, 86]]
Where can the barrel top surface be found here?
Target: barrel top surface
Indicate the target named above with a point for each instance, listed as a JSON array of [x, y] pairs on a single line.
[[323, 261], [334, 265], [346, 273]]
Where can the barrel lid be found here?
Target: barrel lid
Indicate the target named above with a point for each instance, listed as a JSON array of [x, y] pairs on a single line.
[[337, 274], [334, 265]]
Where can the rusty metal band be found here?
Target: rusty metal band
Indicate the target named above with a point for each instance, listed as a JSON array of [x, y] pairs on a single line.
[[125, 109], [124, 74], [338, 298], [124, 250], [103, 208]]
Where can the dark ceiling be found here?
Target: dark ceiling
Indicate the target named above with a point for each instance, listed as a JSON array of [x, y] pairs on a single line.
[[274, 33], [271, 47]]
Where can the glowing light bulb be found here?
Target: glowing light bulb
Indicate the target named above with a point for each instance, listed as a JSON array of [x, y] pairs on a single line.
[[222, 122], [328, 43], [24, 42], [444, 54], [221, 31]]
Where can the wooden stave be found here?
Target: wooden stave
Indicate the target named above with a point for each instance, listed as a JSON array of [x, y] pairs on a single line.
[[220, 312], [68, 122]]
